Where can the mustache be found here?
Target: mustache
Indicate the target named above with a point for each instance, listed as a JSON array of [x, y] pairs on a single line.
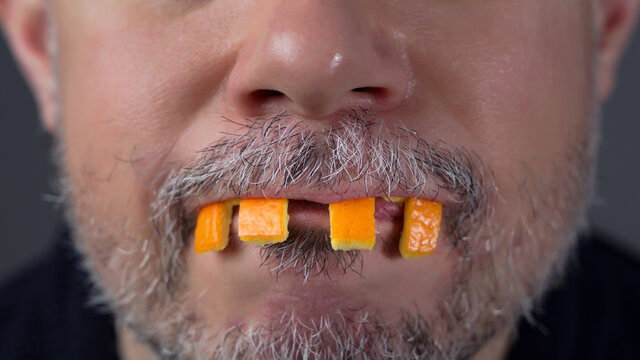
[[279, 153]]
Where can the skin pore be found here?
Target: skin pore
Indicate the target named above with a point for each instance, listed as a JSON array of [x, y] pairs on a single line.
[[151, 100]]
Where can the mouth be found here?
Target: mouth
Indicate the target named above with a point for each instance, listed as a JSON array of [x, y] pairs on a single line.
[[315, 216], [432, 191], [413, 224], [307, 253], [311, 174]]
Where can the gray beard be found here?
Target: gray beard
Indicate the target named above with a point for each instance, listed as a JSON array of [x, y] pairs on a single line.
[[336, 336], [153, 300]]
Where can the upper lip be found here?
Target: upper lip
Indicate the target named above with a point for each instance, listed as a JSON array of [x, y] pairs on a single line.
[[322, 196]]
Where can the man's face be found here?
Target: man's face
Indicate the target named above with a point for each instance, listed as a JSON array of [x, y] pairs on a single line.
[[484, 106]]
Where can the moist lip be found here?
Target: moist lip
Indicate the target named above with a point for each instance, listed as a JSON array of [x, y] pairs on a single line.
[[313, 215], [311, 301], [316, 215], [304, 205], [385, 209], [310, 215]]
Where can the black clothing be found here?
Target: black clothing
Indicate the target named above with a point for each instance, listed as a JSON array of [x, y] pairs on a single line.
[[593, 314], [44, 312]]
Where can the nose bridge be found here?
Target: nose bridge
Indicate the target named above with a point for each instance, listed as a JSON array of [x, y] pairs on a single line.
[[317, 35], [314, 56]]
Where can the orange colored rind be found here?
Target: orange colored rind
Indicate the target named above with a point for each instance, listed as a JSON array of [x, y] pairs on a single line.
[[212, 227], [353, 224], [396, 199], [422, 220], [263, 221]]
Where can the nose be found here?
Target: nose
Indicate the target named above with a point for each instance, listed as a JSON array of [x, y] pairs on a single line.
[[314, 58]]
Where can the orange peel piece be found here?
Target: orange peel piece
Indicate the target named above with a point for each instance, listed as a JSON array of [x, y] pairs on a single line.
[[263, 221], [422, 219], [396, 199], [212, 227], [353, 224]]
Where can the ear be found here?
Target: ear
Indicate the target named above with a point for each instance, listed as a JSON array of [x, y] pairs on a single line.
[[616, 21], [26, 27]]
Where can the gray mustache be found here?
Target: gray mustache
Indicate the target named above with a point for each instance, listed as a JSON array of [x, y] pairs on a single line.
[[276, 154], [280, 153]]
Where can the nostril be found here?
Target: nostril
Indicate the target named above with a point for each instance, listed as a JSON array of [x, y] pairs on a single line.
[[381, 96], [375, 92], [260, 98], [265, 95], [363, 89]]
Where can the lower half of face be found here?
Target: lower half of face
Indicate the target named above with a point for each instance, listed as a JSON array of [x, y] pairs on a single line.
[[500, 239], [302, 298], [495, 124]]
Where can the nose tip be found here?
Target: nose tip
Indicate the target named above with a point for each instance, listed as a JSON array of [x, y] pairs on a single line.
[[317, 66], [317, 95]]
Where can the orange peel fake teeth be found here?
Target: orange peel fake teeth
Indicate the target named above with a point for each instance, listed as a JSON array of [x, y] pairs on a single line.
[[396, 199], [353, 224], [212, 227], [422, 220], [265, 221]]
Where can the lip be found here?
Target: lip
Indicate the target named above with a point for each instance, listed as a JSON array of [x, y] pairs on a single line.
[[389, 216], [317, 298], [354, 191], [304, 214], [340, 291]]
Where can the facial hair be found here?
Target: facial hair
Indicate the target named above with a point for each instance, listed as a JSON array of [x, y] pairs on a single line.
[[152, 297]]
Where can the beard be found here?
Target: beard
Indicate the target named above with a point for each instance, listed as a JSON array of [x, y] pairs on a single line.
[[504, 262]]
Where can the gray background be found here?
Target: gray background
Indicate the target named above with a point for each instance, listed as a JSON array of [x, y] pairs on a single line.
[[27, 219]]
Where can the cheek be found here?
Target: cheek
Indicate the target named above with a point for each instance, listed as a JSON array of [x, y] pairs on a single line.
[[512, 81], [129, 89], [542, 91], [537, 86]]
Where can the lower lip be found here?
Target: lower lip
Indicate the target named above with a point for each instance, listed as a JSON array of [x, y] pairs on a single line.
[[312, 300]]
